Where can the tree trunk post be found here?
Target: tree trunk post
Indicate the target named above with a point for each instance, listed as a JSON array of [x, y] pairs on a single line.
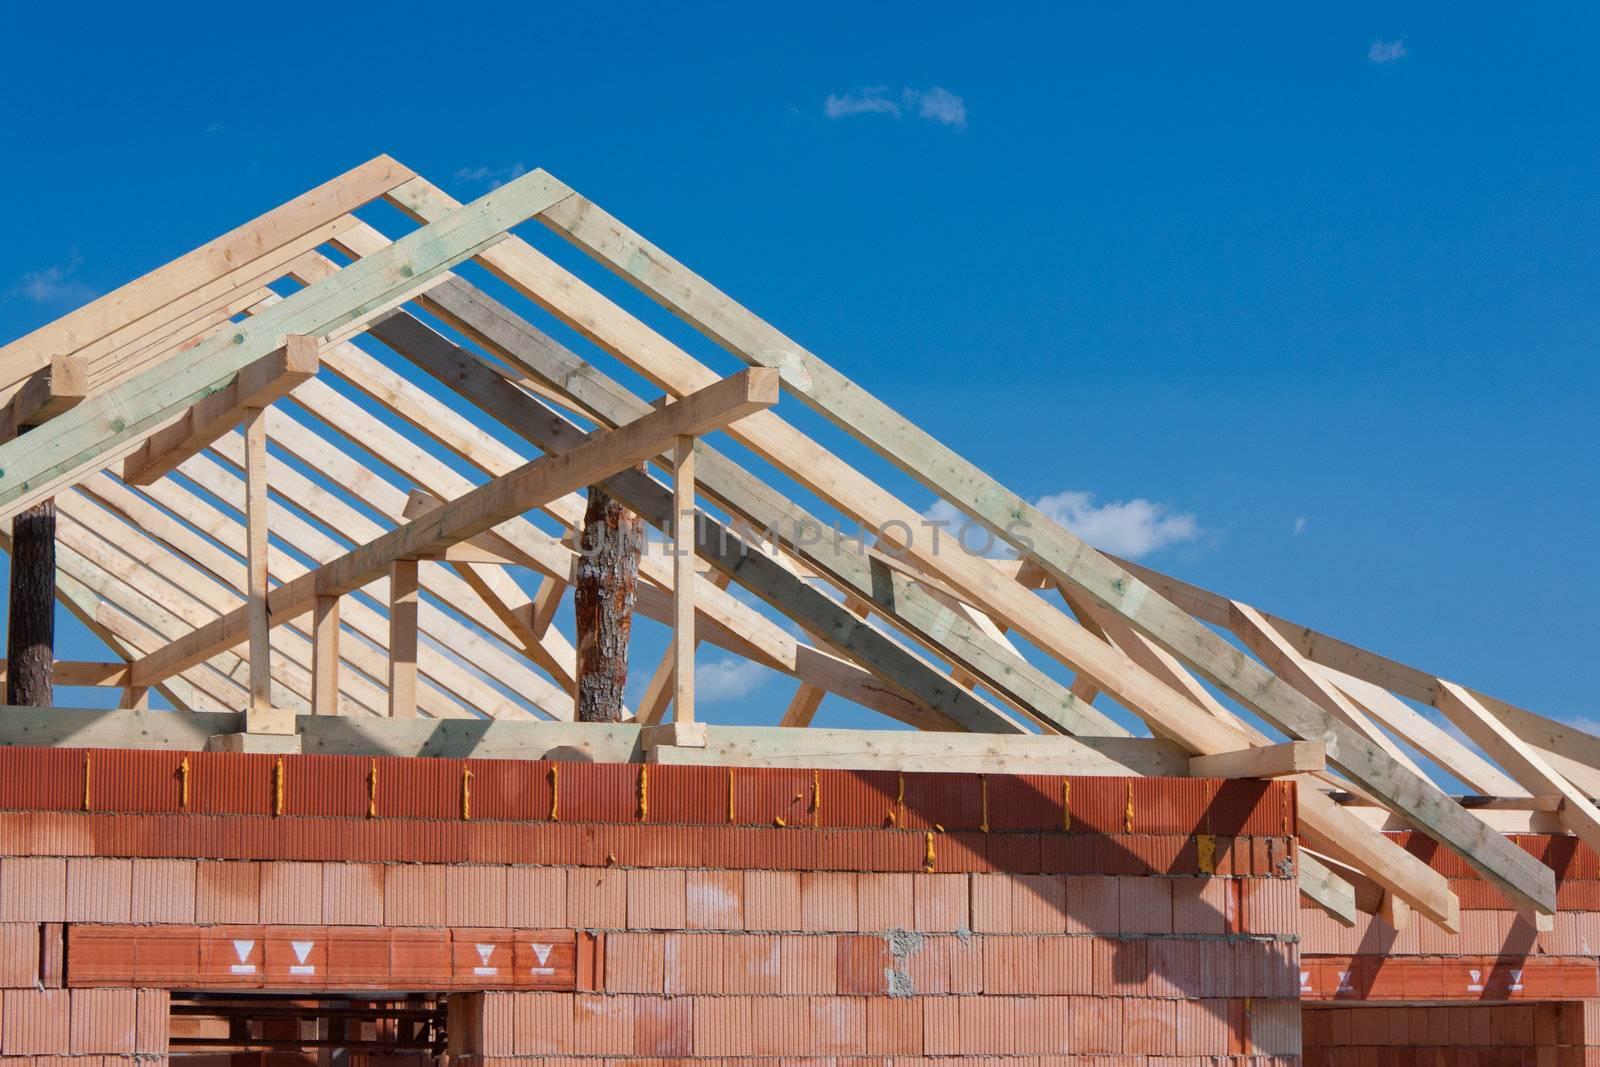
[[31, 633], [608, 575]]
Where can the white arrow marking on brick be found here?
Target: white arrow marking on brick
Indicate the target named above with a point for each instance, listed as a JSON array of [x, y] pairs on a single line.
[[1476, 985], [302, 949], [484, 952], [543, 953], [242, 948], [1305, 981]]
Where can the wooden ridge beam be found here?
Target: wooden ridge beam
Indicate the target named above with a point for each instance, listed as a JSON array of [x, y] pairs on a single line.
[[257, 385], [1066, 557], [105, 427], [481, 509]]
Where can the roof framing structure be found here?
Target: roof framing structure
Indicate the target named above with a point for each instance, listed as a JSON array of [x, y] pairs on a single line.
[[312, 469]]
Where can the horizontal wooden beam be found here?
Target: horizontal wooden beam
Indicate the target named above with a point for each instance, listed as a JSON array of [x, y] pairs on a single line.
[[257, 385], [530, 485], [1268, 761], [84, 672]]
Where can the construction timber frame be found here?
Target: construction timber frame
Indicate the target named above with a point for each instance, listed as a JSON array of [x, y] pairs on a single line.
[[313, 481]]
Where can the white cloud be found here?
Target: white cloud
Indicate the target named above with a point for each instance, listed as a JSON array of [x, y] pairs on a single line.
[[935, 105], [1386, 51], [941, 105], [727, 678], [495, 176], [55, 285], [1130, 528], [1300, 526]]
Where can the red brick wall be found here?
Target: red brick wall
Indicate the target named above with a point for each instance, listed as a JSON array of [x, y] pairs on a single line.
[[1478, 1035], [775, 914]]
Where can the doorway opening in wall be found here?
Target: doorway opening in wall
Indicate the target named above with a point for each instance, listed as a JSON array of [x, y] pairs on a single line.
[[321, 1029]]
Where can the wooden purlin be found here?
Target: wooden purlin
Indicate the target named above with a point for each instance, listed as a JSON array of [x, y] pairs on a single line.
[[649, 354]]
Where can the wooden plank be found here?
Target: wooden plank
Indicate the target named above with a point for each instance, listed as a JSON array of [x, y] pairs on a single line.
[[658, 692], [60, 385], [683, 542], [255, 589], [1066, 557], [402, 639], [98, 431], [772, 746], [325, 656], [1520, 760], [1270, 761], [1327, 890], [84, 672], [256, 386], [481, 509]]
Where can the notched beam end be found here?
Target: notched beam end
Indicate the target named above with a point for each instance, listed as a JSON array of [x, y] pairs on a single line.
[[1268, 761], [48, 392], [257, 385]]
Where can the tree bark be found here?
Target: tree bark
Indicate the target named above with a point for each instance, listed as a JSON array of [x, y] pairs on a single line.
[[31, 633], [608, 575]]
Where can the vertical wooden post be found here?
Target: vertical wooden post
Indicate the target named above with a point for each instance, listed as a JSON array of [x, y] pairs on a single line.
[[403, 639], [135, 697], [683, 544], [325, 656], [31, 635], [255, 512]]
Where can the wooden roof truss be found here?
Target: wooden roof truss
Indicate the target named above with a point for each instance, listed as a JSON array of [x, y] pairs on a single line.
[[400, 551]]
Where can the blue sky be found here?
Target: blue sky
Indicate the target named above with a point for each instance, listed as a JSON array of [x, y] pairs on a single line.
[[1318, 287]]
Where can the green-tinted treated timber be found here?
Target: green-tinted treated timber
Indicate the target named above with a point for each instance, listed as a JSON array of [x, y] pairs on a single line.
[[889, 591], [748, 566], [1065, 557], [102, 428]]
